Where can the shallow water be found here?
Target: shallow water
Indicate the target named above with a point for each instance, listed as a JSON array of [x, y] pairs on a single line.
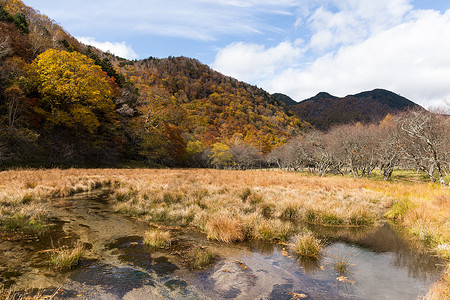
[[381, 264]]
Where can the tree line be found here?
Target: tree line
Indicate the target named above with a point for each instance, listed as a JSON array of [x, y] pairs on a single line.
[[412, 140]]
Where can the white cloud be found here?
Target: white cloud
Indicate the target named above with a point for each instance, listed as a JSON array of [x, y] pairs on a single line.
[[120, 49], [410, 58], [337, 22], [204, 20], [252, 62]]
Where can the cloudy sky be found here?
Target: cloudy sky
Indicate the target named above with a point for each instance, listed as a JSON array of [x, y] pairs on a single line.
[[296, 47]]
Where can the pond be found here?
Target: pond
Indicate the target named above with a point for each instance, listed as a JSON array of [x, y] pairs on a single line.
[[367, 263]]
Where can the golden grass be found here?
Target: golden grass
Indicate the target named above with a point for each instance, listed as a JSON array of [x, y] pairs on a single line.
[[158, 238], [307, 245], [224, 229], [441, 289], [23, 193]]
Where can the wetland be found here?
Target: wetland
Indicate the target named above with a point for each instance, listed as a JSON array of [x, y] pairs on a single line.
[[109, 215]]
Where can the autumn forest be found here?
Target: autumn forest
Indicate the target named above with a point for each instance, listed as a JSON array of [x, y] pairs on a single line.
[[67, 104]]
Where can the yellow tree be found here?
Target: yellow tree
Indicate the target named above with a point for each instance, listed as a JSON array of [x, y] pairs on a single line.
[[74, 92], [220, 155]]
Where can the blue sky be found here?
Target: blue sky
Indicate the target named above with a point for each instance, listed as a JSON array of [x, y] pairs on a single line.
[[296, 47]]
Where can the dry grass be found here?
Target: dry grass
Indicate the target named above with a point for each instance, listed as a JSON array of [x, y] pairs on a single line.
[[158, 238], [441, 289], [24, 192], [199, 258], [224, 229], [307, 245], [66, 258], [251, 204]]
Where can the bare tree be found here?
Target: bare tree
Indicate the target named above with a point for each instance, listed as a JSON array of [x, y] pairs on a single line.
[[319, 152], [424, 140], [288, 156], [355, 147], [15, 105], [245, 156]]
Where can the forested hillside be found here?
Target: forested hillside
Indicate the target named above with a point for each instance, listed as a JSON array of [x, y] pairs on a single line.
[[324, 111], [64, 103]]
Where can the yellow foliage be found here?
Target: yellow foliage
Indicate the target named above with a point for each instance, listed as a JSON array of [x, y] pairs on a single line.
[[73, 89], [221, 155]]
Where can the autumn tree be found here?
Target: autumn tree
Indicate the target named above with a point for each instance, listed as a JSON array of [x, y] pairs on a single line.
[[194, 153], [73, 91], [221, 156]]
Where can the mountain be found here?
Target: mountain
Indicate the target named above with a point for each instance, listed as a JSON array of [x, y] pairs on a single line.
[[285, 99], [63, 102], [324, 110]]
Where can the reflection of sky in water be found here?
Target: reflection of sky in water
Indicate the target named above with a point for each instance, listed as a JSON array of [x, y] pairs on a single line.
[[377, 275], [382, 266]]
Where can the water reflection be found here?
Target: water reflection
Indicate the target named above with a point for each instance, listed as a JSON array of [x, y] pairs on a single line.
[[406, 253]]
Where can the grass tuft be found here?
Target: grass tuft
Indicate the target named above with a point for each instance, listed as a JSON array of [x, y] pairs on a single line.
[[307, 245], [341, 265], [200, 258], [224, 229], [157, 238], [399, 209], [65, 259]]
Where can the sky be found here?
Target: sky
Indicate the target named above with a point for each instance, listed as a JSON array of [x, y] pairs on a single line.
[[295, 47]]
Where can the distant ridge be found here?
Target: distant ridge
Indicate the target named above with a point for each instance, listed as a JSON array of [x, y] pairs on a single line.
[[285, 99], [324, 110]]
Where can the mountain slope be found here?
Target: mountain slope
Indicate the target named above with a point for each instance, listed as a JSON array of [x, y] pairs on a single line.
[[155, 110], [324, 110], [285, 99], [208, 106]]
